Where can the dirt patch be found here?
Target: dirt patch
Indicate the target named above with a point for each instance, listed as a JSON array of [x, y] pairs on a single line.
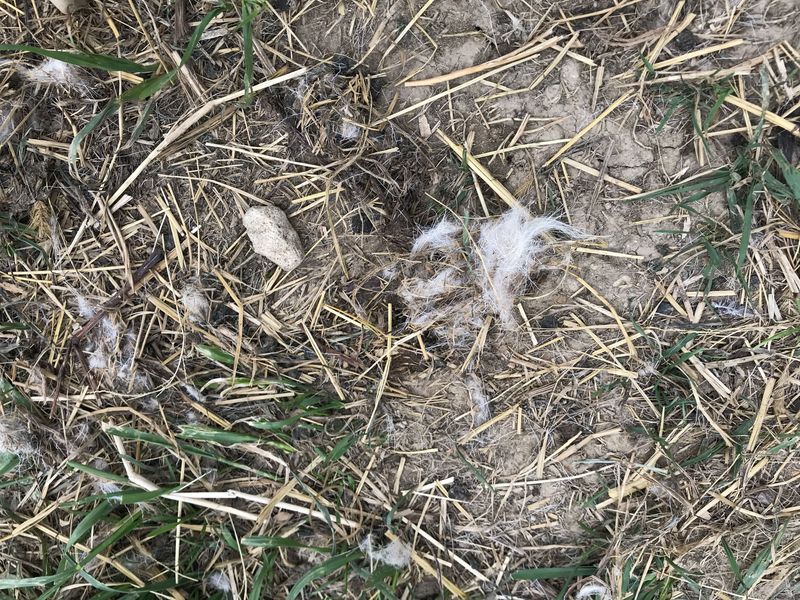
[[621, 411]]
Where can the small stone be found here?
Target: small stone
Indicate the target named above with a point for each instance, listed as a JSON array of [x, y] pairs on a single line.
[[67, 6], [273, 236]]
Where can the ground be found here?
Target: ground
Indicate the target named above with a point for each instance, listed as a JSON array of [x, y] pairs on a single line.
[[181, 418]]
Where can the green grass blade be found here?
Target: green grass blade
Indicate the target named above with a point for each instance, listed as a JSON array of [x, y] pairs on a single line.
[[13, 584], [341, 448], [762, 561], [215, 354], [709, 183], [721, 94], [791, 175], [139, 496], [474, 470], [778, 336], [84, 59], [787, 441], [14, 327], [138, 128], [263, 575], [737, 572], [95, 516], [674, 104], [327, 568], [99, 473], [747, 226], [216, 436], [8, 462], [96, 584], [374, 580], [249, 12], [123, 529], [198, 33], [647, 65], [139, 436], [142, 91], [95, 121], [274, 425]]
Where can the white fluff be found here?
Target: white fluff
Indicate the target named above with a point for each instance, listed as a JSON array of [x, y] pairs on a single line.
[[480, 403], [396, 554], [349, 131], [15, 438], [103, 486], [426, 289], [194, 393], [456, 300], [6, 124], [105, 335], [508, 248], [731, 308], [53, 72], [98, 360], [219, 581], [85, 308], [441, 235], [107, 487], [593, 590], [195, 302]]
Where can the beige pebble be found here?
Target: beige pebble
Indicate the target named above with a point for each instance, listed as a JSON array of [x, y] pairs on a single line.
[[273, 236]]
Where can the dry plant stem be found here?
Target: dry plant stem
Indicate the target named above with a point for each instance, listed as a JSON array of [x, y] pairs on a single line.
[[611, 107], [372, 385], [482, 172], [528, 55], [114, 302], [178, 130], [530, 48], [203, 498], [771, 117]]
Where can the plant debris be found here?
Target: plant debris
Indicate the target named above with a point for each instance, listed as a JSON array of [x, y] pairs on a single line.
[[512, 285]]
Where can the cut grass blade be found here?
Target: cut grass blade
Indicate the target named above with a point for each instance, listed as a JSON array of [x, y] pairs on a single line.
[[84, 59], [215, 354]]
